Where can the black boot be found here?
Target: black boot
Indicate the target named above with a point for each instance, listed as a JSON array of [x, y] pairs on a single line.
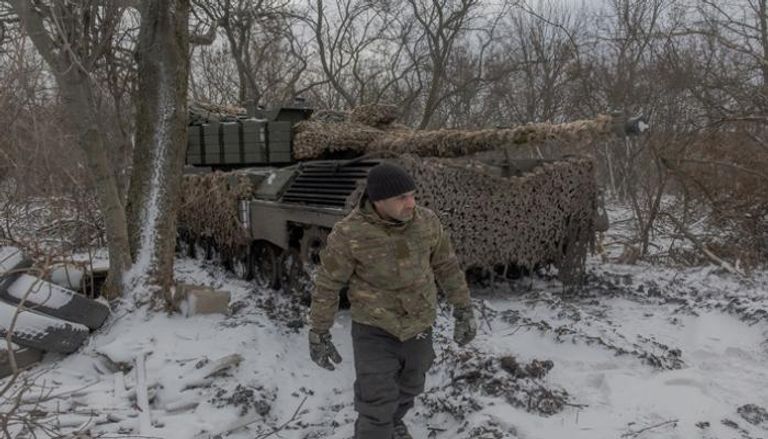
[[400, 431]]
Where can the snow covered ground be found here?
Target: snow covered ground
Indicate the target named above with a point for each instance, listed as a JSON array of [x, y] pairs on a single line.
[[640, 352]]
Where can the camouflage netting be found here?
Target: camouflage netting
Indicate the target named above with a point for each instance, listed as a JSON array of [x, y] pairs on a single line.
[[332, 116], [545, 216], [375, 115], [209, 210], [202, 112], [356, 137], [315, 138]]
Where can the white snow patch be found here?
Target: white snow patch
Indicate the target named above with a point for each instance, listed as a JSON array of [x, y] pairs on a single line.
[[723, 368]]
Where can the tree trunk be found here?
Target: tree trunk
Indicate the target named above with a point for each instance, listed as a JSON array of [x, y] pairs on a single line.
[[161, 141], [105, 183]]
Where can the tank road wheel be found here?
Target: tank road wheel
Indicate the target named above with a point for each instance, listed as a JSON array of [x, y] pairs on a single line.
[[296, 280], [266, 267], [183, 243], [203, 248], [312, 242], [242, 265]]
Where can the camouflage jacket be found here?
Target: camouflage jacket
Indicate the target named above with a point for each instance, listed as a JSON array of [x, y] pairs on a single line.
[[390, 269]]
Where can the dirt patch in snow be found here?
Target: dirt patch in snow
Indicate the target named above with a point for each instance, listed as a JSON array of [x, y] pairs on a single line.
[[247, 399], [577, 325], [470, 377], [285, 311], [754, 414]]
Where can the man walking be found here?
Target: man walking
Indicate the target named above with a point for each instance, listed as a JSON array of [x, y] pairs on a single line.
[[389, 252]]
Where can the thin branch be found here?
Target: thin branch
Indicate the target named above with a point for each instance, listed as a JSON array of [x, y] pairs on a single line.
[[717, 163], [643, 430]]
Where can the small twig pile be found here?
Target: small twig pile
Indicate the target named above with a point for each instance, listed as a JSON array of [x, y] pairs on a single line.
[[521, 386], [584, 328]]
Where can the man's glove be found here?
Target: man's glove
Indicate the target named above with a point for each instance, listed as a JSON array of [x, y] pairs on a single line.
[[322, 350], [465, 326]]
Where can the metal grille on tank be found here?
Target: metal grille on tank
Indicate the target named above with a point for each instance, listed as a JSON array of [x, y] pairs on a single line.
[[327, 184]]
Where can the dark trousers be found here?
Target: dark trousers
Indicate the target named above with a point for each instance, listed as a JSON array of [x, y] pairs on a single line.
[[389, 375]]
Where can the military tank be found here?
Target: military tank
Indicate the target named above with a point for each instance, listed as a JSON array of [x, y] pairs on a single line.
[[263, 188]]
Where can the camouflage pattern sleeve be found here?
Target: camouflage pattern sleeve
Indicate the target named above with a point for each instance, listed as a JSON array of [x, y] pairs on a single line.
[[448, 273], [336, 267]]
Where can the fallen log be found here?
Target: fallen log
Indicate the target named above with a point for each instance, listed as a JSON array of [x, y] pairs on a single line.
[[205, 375]]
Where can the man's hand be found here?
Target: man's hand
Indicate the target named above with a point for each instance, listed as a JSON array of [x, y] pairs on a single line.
[[465, 326], [322, 350]]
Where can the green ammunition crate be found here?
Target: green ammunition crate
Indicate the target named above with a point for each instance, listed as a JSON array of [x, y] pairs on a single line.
[[279, 142], [212, 146], [254, 141], [194, 146]]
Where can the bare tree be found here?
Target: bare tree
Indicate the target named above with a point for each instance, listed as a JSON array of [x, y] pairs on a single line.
[[213, 75], [737, 46], [8, 23], [344, 37], [542, 45], [441, 25], [261, 43], [75, 39], [71, 37]]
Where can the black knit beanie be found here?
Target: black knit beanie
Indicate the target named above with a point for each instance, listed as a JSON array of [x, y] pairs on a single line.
[[386, 180]]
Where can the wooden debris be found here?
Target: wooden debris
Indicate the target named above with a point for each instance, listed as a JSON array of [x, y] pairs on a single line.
[[59, 393], [203, 376], [118, 388], [182, 404], [142, 398]]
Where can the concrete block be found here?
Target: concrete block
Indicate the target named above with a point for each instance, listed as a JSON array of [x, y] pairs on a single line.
[[196, 299]]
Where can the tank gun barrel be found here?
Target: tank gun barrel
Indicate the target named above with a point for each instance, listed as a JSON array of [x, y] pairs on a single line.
[[315, 139], [635, 126]]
